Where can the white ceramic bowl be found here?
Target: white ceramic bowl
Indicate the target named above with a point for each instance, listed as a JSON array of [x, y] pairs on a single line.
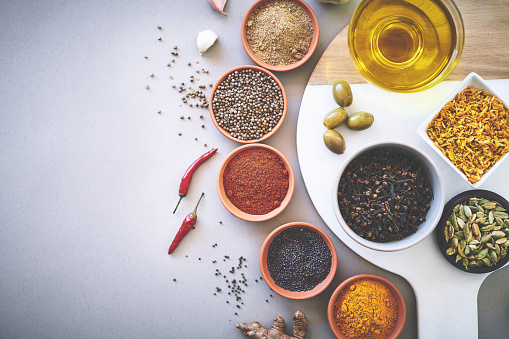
[[436, 205], [474, 80]]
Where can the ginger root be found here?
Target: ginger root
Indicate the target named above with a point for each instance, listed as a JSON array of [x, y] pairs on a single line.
[[256, 331]]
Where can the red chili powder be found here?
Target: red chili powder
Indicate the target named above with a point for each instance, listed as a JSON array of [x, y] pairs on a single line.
[[256, 181]]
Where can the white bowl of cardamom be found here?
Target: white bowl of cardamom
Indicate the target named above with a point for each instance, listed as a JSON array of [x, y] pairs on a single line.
[[469, 130], [280, 35]]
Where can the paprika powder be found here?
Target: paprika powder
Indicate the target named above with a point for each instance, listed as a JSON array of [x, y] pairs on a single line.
[[366, 309], [256, 181]]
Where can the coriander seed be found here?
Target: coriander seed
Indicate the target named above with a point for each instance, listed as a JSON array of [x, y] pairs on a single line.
[[248, 104]]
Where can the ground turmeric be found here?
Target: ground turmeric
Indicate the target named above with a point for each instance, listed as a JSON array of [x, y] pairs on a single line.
[[366, 309]]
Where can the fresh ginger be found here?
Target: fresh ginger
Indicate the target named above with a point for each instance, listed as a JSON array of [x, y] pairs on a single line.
[[256, 331]]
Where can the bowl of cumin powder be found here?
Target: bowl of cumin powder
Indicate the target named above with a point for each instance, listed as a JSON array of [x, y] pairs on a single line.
[[280, 35], [255, 182]]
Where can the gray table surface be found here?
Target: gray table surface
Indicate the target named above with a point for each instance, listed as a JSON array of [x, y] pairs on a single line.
[[89, 174]]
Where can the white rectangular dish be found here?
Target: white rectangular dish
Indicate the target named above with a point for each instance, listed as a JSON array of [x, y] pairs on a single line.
[[474, 80]]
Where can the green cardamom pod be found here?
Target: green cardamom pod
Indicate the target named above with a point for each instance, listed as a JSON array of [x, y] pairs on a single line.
[[482, 253]]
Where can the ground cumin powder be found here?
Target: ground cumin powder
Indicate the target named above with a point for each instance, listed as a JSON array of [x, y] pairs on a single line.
[[256, 181], [366, 309], [279, 32]]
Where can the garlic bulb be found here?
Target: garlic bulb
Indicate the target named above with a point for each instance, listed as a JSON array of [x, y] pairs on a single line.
[[205, 40]]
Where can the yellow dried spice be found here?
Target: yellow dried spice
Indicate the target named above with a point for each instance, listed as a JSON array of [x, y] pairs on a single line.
[[472, 131], [366, 309]]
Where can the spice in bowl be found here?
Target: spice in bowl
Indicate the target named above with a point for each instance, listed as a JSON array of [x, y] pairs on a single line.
[[475, 231], [279, 32], [248, 104], [384, 194], [256, 180], [365, 308], [298, 259], [472, 131]]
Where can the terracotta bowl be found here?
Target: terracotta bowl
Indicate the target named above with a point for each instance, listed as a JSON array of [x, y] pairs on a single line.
[[477, 193], [312, 47], [292, 294], [232, 208], [400, 320], [265, 136], [436, 205]]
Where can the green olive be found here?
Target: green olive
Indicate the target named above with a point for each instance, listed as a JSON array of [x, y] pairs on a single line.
[[335, 118], [334, 141], [342, 93], [360, 120]]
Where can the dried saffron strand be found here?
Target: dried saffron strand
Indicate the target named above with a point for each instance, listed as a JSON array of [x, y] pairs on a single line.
[[366, 309], [472, 131]]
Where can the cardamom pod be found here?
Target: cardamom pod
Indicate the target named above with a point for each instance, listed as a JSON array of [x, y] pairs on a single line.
[[482, 253], [501, 215], [467, 211], [498, 234], [450, 251], [501, 241], [489, 205], [475, 229]]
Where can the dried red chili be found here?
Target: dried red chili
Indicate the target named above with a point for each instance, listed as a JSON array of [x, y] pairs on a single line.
[[187, 224], [256, 181], [188, 175]]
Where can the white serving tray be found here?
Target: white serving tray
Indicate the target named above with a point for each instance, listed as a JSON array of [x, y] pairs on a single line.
[[441, 290]]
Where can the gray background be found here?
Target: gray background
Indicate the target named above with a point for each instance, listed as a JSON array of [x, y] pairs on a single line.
[[89, 175]]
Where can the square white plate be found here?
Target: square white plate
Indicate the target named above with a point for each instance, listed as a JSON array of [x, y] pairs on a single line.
[[474, 80]]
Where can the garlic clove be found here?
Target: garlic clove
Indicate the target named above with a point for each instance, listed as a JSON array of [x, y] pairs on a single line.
[[205, 40], [218, 5]]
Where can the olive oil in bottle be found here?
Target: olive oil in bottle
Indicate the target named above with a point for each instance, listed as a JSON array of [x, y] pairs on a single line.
[[405, 45]]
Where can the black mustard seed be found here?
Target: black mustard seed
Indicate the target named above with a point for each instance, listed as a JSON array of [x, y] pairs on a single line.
[[298, 259]]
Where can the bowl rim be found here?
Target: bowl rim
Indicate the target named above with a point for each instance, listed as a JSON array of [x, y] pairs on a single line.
[[442, 245], [296, 295], [400, 320], [256, 68], [233, 209], [470, 80], [458, 47], [412, 239], [312, 47]]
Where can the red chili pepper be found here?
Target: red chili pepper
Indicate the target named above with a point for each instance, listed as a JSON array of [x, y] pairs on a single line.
[[186, 226], [186, 179]]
